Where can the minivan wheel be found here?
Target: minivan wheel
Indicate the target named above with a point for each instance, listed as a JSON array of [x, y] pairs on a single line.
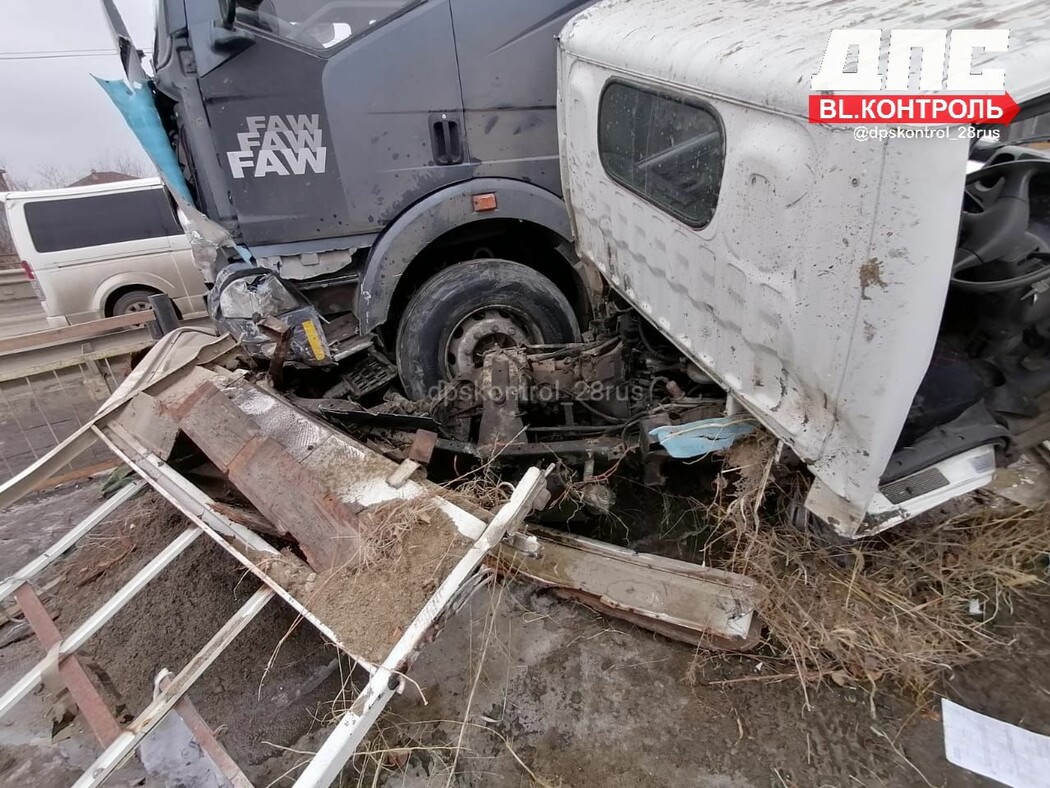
[[471, 308], [133, 301]]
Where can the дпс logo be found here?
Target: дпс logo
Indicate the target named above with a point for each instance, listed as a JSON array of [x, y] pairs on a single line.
[[279, 145], [946, 70]]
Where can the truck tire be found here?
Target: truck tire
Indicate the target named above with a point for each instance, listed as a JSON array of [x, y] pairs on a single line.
[[133, 301], [473, 307]]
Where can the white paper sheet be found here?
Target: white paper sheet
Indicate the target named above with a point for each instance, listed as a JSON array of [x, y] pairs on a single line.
[[995, 749]]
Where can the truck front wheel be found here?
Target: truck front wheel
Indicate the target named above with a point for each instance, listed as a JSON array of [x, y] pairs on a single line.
[[471, 308]]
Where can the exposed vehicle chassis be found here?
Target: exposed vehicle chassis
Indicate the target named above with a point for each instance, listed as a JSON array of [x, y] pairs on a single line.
[[588, 405]]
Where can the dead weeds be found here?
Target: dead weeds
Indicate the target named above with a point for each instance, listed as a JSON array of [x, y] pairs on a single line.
[[384, 526], [906, 606]]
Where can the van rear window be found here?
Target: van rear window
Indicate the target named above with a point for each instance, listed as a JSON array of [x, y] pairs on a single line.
[[79, 222]]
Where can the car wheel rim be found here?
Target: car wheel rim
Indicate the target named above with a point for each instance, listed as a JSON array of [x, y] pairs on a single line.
[[484, 330]]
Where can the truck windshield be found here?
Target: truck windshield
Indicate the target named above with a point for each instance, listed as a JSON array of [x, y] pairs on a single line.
[[316, 24]]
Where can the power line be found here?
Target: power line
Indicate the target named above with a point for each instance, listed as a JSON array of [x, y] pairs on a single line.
[[59, 55]]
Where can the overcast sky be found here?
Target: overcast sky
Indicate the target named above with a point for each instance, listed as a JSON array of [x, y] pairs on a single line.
[[52, 113]]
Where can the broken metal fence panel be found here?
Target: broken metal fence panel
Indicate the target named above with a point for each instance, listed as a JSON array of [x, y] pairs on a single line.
[[51, 384], [15, 286], [120, 741]]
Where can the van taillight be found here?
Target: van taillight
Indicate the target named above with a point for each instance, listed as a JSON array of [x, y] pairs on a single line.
[[31, 276]]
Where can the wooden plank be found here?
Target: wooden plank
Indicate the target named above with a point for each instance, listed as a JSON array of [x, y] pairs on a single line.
[[327, 530], [92, 706], [249, 518], [57, 336], [694, 637], [215, 425], [294, 500], [77, 475], [143, 416], [641, 586]]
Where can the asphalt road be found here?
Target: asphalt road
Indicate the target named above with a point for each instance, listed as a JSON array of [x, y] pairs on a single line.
[[21, 317]]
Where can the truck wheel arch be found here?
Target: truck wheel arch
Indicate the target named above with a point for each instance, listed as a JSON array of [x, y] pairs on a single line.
[[439, 214]]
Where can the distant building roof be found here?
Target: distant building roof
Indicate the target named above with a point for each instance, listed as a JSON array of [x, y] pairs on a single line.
[[96, 178]]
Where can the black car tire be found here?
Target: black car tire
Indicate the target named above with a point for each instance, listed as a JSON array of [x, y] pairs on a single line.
[[441, 305], [132, 299]]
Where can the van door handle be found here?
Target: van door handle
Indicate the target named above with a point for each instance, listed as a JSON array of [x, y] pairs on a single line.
[[446, 141]]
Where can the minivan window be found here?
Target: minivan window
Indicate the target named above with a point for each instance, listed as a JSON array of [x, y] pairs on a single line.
[[667, 149], [78, 222], [316, 24]]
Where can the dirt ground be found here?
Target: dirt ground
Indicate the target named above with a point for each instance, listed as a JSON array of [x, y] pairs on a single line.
[[520, 689], [413, 549]]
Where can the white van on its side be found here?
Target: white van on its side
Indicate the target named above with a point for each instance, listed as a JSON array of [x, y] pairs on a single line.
[[101, 251]]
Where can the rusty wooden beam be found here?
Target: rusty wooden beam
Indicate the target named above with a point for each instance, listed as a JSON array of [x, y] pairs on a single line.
[[327, 530], [96, 713], [206, 738]]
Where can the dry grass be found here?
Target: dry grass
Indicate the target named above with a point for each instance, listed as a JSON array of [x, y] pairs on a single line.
[[905, 607], [383, 529], [482, 490], [384, 526], [445, 748]]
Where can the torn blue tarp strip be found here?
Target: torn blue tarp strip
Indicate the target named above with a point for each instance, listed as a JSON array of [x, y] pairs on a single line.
[[699, 438], [136, 104]]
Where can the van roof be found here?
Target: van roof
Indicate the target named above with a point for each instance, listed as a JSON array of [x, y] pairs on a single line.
[[765, 53], [80, 191]]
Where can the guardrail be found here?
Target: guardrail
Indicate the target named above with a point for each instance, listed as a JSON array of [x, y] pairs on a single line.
[[14, 286], [52, 382], [57, 348]]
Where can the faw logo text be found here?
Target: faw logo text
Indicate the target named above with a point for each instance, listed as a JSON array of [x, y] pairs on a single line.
[[856, 83], [279, 145]]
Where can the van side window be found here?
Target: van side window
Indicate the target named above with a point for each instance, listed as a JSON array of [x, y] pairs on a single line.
[[667, 149], [316, 24], [78, 222]]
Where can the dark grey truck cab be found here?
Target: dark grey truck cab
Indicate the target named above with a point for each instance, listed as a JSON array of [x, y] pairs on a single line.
[[388, 166]]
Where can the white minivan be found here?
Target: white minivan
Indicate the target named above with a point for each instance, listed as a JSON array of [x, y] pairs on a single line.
[[102, 251]]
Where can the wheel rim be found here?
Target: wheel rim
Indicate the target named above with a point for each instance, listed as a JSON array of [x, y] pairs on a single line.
[[137, 306], [483, 330]]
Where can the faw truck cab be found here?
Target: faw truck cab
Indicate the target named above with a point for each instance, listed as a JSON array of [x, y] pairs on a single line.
[[436, 180], [358, 149]]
